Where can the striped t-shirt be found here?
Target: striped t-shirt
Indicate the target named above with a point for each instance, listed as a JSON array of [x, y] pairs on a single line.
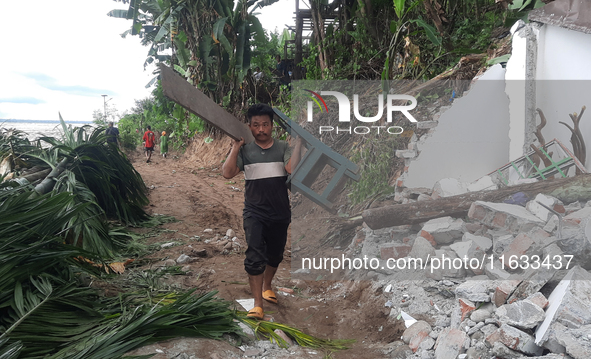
[[265, 194]]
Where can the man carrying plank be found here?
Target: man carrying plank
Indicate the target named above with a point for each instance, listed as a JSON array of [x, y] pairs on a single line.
[[266, 163]]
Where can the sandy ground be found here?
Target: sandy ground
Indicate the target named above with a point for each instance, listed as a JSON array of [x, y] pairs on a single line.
[[190, 188]]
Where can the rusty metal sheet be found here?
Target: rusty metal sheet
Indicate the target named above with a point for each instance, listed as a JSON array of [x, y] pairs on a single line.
[[570, 14], [182, 92]]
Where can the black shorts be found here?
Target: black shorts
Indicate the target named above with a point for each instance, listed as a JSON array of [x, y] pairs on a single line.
[[151, 149], [266, 243]]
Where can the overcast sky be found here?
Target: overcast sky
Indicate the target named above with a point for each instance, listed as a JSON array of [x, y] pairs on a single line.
[[62, 55]]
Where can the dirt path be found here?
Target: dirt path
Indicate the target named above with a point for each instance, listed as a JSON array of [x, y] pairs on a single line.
[[200, 199]]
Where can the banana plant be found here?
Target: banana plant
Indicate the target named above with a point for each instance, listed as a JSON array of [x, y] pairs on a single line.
[[210, 39]]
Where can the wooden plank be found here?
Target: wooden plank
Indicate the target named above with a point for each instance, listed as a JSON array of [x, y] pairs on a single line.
[[182, 92]]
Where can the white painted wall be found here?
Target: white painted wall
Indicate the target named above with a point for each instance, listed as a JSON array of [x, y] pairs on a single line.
[[515, 90], [563, 75], [471, 139]]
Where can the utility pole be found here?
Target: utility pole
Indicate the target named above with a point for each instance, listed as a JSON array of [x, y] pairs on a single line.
[[105, 105]]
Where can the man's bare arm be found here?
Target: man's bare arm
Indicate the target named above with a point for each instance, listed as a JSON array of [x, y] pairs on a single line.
[[229, 168], [295, 156]]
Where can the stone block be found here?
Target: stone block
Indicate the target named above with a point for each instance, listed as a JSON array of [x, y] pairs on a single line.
[[522, 314], [569, 303], [518, 340], [503, 216], [421, 249], [444, 230], [395, 251], [450, 343]]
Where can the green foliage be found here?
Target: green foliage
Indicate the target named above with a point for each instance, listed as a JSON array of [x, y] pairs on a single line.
[[470, 36], [375, 157]]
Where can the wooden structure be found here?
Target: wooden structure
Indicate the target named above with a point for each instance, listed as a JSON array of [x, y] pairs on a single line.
[[304, 21]]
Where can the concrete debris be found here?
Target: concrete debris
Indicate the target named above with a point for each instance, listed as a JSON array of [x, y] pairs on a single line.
[[518, 340], [415, 334], [484, 183], [539, 299], [536, 208], [448, 187], [450, 343], [477, 289], [575, 342], [484, 243], [444, 271], [533, 281], [503, 216], [503, 290], [480, 315], [444, 230], [569, 303], [575, 238], [395, 251], [466, 307], [230, 233], [489, 311], [421, 249], [523, 314]]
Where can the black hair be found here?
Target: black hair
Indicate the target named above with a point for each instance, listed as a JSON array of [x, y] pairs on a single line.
[[260, 109], [148, 127]]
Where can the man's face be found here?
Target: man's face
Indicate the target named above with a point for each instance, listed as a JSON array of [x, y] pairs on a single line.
[[261, 128]]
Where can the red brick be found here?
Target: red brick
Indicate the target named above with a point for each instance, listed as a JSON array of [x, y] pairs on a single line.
[[503, 291], [428, 237], [395, 251], [539, 299], [520, 245], [499, 220], [466, 307], [559, 208], [477, 212]]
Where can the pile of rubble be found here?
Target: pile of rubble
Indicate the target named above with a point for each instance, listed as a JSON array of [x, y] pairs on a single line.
[[508, 281]]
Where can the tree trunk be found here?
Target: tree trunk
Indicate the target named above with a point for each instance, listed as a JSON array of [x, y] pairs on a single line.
[[319, 34], [565, 189], [48, 183]]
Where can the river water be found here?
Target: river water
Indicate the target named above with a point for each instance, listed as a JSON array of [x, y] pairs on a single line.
[[38, 129]]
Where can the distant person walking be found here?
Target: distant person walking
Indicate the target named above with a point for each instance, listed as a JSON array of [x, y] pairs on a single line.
[[164, 144], [148, 143], [112, 134]]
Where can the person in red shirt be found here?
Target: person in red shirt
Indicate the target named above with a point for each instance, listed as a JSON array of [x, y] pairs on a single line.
[[148, 143]]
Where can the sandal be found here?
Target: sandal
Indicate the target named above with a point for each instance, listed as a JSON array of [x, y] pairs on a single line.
[[269, 296], [256, 313]]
